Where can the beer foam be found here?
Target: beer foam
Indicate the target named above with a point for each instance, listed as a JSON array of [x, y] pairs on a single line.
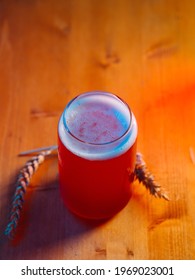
[[97, 126]]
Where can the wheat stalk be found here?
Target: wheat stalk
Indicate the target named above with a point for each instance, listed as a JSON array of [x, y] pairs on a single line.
[[142, 174], [22, 182]]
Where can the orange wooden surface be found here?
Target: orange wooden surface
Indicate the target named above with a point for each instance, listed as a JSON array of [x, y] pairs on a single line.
[[143, 51]]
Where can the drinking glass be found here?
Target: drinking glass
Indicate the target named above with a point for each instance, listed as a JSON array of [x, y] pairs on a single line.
[[97, 135]]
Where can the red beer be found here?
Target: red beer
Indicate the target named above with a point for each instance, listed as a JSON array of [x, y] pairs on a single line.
[[96, 148]]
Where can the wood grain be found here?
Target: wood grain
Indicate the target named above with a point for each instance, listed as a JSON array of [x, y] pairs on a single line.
[[143, 51]]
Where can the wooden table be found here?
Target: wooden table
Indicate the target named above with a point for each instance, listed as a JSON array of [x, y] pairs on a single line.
[[143, 51]]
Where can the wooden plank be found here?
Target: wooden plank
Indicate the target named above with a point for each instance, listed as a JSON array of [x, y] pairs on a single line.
[[142, 51]]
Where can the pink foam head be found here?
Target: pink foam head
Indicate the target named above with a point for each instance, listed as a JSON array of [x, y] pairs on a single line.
[[97, 125]]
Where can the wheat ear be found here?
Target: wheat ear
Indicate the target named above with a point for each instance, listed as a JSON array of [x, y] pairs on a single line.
[[22, 182], [142, 174]]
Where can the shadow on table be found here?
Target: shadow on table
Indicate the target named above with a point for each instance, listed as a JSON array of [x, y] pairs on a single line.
[[44, 223]]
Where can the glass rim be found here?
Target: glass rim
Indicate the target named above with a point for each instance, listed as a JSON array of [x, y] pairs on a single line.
[[99, 93]]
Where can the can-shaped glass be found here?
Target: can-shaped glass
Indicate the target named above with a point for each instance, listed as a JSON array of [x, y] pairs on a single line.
[[97, 135]]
